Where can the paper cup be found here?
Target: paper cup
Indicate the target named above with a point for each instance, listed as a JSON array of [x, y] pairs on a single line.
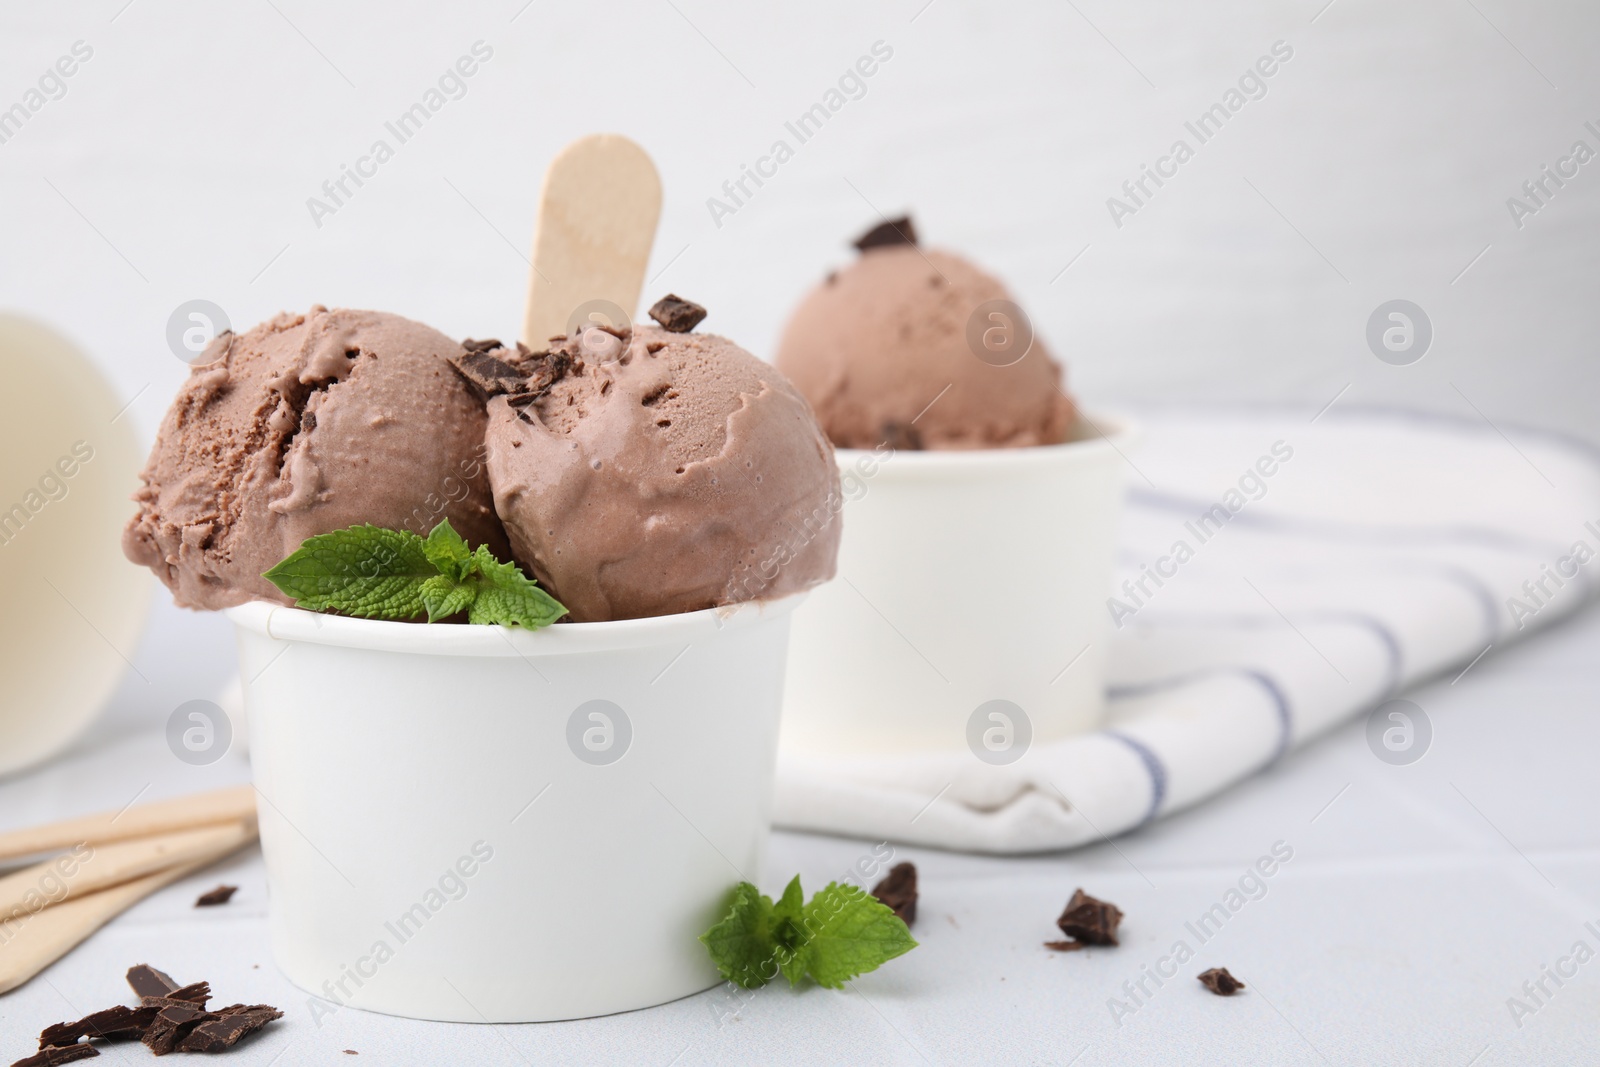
[[970, 608], [481, 824], [74, 607]]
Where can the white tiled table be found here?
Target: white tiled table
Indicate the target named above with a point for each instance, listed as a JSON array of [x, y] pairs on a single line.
[[1417, 902]]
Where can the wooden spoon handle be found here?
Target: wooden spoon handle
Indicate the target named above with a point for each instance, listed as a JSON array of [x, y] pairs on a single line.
[[597, 219], [236, 804], [88, 868], [30, 943]]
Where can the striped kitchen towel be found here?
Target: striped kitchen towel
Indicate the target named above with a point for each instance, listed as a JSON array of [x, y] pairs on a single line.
[[1279, 574]]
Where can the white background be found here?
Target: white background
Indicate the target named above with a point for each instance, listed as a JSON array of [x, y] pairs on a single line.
[[1391, 142]]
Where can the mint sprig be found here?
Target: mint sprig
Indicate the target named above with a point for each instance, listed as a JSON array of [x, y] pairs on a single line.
[[843, 932], [374, 573]]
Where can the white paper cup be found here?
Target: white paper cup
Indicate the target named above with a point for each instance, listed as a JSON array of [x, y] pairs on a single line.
[[965, 578], [472, 823], [74, 606]]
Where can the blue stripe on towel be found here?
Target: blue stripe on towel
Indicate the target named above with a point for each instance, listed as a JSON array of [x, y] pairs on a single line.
[[1280, 701], [1153, 766]]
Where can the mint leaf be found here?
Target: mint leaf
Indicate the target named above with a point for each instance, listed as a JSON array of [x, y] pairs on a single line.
[[365, 571], [741, 944], [851, 932], [843, 932], [374, 573], [507, 597], [447, 551], [789, 932], [444, 597]]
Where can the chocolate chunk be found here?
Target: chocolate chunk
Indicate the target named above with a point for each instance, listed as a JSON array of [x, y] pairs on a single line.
[[149, 982], [51, 1056], [489, 375], [545, 369], [196, 993], [899, 891], [1220, 982], [227, 1027], [172, 1024], [481, 346], [220, 895], [118, 1023], [888, 233], [902, 437], [1065, 946], [677, 315], [1094, 922]]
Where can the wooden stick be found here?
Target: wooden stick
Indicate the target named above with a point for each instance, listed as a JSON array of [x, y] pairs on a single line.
[[30, 943], [235, 804], [597, 219], [87, 868]]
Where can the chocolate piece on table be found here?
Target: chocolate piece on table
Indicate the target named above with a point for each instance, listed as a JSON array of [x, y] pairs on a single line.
[[195, 993], [118, 1023], [1065, 946], [212, 897], [149, 982], [1220, 982], [1094, 922], [172, 1024], [890, 232], [227, 1027], [63, 1054], [899, 891], [677, 315]]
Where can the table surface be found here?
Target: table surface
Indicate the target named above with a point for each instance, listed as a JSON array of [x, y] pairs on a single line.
[[1418, 902]]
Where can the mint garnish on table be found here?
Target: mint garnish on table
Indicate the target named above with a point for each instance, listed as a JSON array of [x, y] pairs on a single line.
[[374, 573], [841, 933]]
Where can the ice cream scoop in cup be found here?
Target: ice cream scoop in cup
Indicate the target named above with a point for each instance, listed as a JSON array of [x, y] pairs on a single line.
[[980, 518], [469, 810]]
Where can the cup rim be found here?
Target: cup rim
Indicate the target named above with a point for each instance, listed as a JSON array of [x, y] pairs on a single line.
[[281, 623], [1109, 433]]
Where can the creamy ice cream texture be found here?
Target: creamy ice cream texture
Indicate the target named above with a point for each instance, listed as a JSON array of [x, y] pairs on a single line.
[[881, 349], [303, 425], [647, 472]]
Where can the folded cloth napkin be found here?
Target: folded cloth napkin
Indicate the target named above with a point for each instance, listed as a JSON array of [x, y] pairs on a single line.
[[1278, 573]]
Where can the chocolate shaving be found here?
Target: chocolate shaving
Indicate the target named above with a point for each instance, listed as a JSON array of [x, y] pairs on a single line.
[[489, 375], [677, 315], [170, 1018], [227, 1027], [1065, 946], [546, 369], [481, 346], [902, 437], [171, 1025], [899, 891], [51, 1056], [1094, 922], [117, 1023], [888, 233], [220, 895], [1220, 982], [149, 982], [194, 993]]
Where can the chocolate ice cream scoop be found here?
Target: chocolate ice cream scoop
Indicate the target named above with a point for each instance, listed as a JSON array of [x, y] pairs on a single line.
[[649, 472], [884, 352], [304, 425]]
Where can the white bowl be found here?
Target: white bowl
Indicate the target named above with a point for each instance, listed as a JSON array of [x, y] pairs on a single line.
[[451, 834], [964, 578]]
